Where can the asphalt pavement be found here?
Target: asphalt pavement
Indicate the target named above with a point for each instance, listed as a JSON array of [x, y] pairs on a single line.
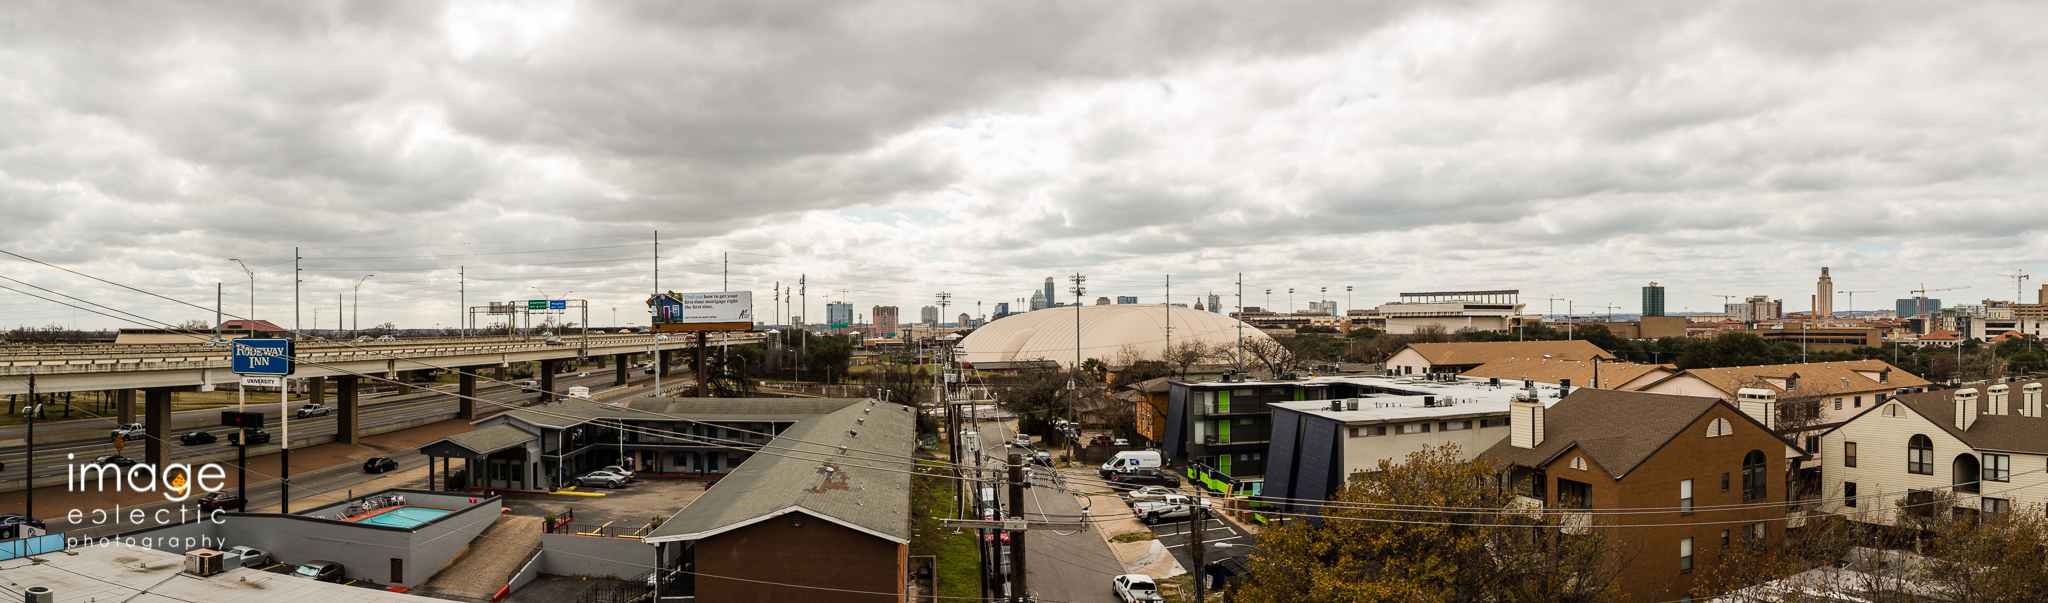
[[1060, 566]]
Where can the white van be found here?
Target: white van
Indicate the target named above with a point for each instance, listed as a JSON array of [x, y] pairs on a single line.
[[1133, 459]]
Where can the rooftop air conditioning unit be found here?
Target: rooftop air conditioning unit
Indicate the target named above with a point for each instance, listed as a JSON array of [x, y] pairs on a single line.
[[1336, 405], [204, 562], [1429, 400], [1351, 404], [39, 594]]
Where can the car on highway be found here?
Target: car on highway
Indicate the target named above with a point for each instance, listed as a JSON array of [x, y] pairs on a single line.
[[363, 338], [387, 338], [324, 571], [1147, 493], [1172, 506], [130, 431], [243, 556], [216, 342], [1142, 477], [112, 459], [256, 436], [556, 341], [198, 437], [314, 410], [1135, 588], [379, 465], [220, 500], [603, 478]]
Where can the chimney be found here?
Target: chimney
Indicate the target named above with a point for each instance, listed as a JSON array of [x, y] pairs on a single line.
[[2030, 399], [1759, 404], [1564, 387], [1966, 408], [1525, 422], [1997, 400]]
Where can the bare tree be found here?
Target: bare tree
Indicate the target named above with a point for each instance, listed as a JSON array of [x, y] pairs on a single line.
[[1188, 353], [1270, 355]]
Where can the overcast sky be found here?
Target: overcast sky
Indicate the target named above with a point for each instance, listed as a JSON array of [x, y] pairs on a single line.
[[893, 150]]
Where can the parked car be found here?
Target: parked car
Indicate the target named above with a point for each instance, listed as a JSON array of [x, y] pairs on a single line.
[[198, 437], [1172, 506], [583, 374], [603, 478], [314, 410], [324, 571], [243, 556], [379, 465], [621, 471], [1135, 588], [112, 459], [1142, 477], [1120, 442], [1022, 441], [220, 500], [8, 519], [130, 431], [256, 436], [1147, 493]]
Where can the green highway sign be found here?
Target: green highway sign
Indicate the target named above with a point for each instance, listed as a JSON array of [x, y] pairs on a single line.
[[536, 304]]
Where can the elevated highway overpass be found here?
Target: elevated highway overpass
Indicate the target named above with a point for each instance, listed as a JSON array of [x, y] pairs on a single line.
[[159, 369]]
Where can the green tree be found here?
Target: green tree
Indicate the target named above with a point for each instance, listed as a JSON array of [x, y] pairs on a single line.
[[1732, 348], [1382, 554]]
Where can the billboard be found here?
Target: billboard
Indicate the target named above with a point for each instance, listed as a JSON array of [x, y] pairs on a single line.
[[703, 308]]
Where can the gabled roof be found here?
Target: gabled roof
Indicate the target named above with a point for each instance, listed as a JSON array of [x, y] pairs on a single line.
[[1826, 375], [1942, 334], [2009, 432], [803, 471], [1551, 370], [1617, 429], [1474, 353], [1158, 385], [482, 441], [261, 326]]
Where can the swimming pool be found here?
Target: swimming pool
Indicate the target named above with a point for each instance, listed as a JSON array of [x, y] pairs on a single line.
[[405, 517]]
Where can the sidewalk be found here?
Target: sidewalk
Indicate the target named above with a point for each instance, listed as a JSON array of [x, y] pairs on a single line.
[[1113, 518]]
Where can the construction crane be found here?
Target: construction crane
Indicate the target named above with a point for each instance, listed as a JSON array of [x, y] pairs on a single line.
[[1920, 303], [1546, 317], [2017, 276], [1852, 298], [1610, 311]]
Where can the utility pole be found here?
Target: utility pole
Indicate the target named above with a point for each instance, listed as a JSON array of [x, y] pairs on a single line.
[[654, 327], [1169, 324], [1018, 591], [356, 322], [803, 289], [28, 480], [298, 276], [1081, 287], [1240, 320], [216, 311], [1198, 519], [462, 300], [252, 294]]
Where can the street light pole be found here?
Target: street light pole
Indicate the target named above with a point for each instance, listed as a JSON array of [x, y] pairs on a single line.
[[356, 318], [252, 294]]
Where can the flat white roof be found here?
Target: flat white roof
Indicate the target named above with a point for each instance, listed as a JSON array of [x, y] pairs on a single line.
[[1463, 397], [120, 572]]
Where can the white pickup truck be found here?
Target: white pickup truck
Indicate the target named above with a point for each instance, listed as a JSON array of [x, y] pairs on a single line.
[[1171, 506]]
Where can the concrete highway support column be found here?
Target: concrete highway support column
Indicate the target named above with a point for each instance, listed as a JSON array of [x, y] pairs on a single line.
[[404, 379], [465, 386], [547, 379], [124, 403], [156, 408], [619, 374], [346, 416], [698, 370], [316, 390]]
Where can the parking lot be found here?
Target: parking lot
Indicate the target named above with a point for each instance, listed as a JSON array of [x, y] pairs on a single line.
[[623, 512]]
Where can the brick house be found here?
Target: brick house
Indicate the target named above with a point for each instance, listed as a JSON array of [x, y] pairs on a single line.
[[1606, 449]]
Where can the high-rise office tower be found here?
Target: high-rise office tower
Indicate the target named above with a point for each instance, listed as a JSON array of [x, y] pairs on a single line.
[[929, 316], [838, 313], [1653, 300], [1052, 296], [1824, 295], [1215, 303], [885, 319], [1039, 301]]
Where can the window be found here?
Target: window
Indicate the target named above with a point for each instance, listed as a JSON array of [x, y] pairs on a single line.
[[1891, 410], [1685, 496], [1997, 505], [1719, 427], [1753, 484], [1859, 402], [1724, 482], [1838, 403], [1415, 428], [1366, 432], [1997, 467], [1574, 495], [1724, 538], [1848, 454], [1919, 454], [1848, 494], [1813, 444], [1579, 463], [1456, 425], [1500, 422], [1755, 531], [1685, 554]]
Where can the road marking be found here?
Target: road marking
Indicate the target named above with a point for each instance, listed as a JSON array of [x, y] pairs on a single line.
[[1207, 541]]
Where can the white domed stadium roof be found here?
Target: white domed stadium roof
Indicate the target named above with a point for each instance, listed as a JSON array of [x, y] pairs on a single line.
[[1048, 334]]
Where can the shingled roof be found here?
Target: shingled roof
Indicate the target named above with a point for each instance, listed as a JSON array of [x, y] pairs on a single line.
[[866, 488], [2008, 432], [1618, 429], [1476, 353], [1828, 375], [1552, 370]]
